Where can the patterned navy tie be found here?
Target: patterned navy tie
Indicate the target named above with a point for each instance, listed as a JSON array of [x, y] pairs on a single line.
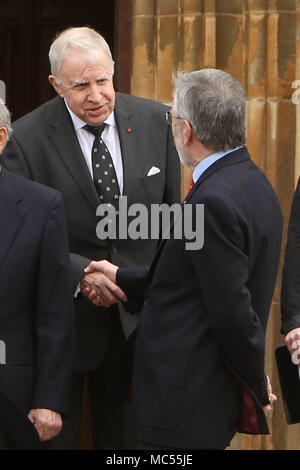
[[104, 174]]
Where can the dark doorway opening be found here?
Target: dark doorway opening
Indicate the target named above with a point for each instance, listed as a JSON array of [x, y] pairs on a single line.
[[27, 28]]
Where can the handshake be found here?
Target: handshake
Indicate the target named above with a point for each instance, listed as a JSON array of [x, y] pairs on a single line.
[[99, 284]]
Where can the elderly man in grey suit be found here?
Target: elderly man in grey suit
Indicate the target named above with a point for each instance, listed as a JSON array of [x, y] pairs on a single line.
[[63, 145]]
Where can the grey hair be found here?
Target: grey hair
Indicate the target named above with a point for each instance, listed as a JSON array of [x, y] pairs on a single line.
[[214, 103], [82, 38], [5, 118]]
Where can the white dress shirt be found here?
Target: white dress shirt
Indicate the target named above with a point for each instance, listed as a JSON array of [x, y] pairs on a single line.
[[110, 137], [202, 166]]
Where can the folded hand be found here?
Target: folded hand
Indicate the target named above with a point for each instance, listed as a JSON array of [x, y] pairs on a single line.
[[271, 396], [48, 423]]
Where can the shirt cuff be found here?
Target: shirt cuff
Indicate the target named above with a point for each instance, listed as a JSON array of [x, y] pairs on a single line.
[[77, 290]]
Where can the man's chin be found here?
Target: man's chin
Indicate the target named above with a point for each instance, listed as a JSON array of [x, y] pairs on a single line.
[[96, 118]]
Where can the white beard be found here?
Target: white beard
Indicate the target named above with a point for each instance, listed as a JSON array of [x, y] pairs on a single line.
[[184, 155]]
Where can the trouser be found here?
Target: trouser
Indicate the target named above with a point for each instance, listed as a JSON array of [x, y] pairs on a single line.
[[106, 404], [106, 415], [5, 442]]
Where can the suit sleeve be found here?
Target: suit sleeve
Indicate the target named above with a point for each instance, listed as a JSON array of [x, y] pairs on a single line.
[[290, 292], [78, 264], [55, 329], [221, 267], [134, 282]]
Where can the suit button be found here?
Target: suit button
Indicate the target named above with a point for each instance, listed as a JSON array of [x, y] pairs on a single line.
[[146, 302]]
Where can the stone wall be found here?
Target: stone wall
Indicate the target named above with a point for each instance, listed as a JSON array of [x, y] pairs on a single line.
[[258, 42]]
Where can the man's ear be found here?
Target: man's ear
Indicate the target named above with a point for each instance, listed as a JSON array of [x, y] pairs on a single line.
[[55, 85], [3, 138]]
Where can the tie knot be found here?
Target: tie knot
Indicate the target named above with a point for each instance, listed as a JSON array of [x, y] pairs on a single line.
[[96, 130]]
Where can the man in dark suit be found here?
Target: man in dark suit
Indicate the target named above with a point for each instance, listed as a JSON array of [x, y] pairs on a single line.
[[36, 307], [290, 292], [53, 146], [199, 359]]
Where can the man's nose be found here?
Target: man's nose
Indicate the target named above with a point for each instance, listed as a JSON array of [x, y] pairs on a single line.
[[94, 92]]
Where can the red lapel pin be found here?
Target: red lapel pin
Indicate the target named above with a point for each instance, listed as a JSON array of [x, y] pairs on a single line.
[[129, 130]]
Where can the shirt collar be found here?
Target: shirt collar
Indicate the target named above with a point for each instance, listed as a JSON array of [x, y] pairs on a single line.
[[78, 123], [202, 166]]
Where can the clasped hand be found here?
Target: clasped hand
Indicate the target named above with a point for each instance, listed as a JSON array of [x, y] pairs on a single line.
[[99, 284]]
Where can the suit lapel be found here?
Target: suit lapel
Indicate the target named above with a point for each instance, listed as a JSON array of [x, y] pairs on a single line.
[[128, 142], [64, 139], [11, 215]]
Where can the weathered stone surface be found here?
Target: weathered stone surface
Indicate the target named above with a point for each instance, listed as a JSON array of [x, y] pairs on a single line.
[[256, 5], [142, 8], [258, 42], [192, 6], [168, 8], [224, 6], [167, 55], [144, 57]]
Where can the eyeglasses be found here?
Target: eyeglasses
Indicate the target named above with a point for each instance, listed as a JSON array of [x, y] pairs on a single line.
[[170, 116]]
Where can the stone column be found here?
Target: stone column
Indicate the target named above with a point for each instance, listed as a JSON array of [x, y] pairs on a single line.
[[258, 42]]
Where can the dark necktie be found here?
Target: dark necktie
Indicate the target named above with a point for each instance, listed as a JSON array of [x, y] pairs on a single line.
[[104, 174]]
